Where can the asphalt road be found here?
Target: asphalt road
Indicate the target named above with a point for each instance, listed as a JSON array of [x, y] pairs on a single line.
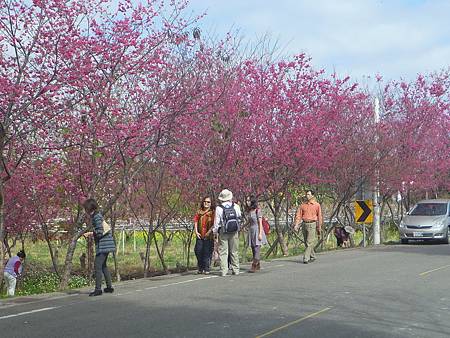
[[388, 291]]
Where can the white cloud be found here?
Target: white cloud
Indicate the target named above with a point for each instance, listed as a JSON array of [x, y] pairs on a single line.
[[394, 38]]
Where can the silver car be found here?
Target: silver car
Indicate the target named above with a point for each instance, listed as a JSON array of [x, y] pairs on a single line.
[[427, 220]]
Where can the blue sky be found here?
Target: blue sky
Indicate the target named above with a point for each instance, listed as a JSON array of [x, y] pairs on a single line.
[[393, 38]]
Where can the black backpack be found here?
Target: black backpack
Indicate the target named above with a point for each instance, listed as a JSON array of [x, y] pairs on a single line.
[[230, 219]]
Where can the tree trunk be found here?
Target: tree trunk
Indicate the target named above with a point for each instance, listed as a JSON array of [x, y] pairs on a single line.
[[246, 245], [147, 247], [8, 247], [116, 266], [2, 232], [63, 285], [53, 257], [189, 247], [272, 247], [160, 254], [276, 212], [90, 256], [280, 236], [341, 204], [113, 221]]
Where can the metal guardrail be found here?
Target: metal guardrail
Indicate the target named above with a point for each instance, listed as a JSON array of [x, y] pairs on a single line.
[[128, 225]]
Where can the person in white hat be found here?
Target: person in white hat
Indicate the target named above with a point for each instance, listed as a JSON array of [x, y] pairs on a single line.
[[226, 229]]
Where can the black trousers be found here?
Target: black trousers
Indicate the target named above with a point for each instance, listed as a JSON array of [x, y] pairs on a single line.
[[203, 250], [101, 270]]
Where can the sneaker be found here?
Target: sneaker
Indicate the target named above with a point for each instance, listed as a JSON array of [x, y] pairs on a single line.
[[235, 273], [108, 290], [206, 272], [312, 259], [305, 262], [199, 272], [95, 293]]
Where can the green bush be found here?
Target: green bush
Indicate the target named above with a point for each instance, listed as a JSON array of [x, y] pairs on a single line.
[[45, 282], [76, 282]]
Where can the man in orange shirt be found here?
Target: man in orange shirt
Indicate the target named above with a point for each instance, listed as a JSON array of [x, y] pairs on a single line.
[[310, 215]]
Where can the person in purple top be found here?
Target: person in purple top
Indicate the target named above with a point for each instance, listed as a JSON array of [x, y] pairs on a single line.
[[256, 235], [13, 270]]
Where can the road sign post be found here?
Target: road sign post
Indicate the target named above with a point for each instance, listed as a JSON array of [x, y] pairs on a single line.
[[364, 215], [364, 235], [376, 188]]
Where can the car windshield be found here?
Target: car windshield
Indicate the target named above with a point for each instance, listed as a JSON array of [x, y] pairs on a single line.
[[429, 209]]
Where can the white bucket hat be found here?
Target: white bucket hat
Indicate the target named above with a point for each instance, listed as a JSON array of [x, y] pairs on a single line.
[[348, 229], [225, 195]]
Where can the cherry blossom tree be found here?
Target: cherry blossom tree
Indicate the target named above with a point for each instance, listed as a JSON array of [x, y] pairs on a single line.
[[130, 104], [38, 56], [415, 134]]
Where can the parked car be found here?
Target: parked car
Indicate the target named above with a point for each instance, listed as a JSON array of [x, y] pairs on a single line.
[[427, 220]]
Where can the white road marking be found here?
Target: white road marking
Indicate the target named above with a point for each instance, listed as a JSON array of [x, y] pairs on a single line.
[[118, 294], [167, 285], [5, 306], [29, 312], [190, 280], [270, 267], [124, 293]]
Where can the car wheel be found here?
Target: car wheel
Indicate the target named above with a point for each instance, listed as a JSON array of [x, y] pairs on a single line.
[[404, 241], [446, 239]]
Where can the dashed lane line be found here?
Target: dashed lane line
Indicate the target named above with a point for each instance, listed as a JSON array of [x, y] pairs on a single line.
[[29, 312], [117, 294], [167, 285], [277, 266], [126, 293]]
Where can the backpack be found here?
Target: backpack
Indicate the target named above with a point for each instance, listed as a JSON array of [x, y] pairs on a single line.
[[106, 228], [266, 226], [230, 219], [265, 223]]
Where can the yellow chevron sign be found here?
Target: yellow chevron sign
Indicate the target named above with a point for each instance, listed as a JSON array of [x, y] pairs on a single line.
[[364, 211]]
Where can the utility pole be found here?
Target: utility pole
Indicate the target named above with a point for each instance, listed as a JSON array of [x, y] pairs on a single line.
[[376, 188]]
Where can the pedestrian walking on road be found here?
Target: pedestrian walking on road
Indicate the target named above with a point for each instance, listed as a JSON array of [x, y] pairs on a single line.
[[104, 244], [13, 270], [226, 229], [203, 223], [310, 215], [256, 235]]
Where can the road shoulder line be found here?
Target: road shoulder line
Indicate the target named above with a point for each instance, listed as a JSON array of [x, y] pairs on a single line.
[[315, 314], [437, 269]]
